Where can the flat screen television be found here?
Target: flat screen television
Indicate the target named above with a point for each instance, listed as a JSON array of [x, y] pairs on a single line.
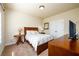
[[72, 30]]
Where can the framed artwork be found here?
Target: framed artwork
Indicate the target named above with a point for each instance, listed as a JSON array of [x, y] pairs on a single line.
[[46, 26]]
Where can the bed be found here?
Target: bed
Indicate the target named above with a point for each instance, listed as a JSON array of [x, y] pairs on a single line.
[[38, 41]]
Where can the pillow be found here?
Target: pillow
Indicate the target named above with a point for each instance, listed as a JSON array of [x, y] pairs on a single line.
[[32, 32]]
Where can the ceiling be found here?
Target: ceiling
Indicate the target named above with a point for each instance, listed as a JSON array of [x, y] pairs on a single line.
[[50, 8]]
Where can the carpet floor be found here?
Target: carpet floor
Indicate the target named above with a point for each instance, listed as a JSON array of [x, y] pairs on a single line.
[[21, 50]]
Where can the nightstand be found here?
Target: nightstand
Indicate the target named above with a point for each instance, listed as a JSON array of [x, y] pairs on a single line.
[[42, 32], [19, 38]]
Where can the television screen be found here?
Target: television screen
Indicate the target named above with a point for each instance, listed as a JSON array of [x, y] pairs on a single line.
[[72, 30]]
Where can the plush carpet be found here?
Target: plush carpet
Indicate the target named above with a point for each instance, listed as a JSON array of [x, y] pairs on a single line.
[[21, 50]]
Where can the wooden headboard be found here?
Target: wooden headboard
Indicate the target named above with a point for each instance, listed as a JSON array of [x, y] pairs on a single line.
[[29, 29]]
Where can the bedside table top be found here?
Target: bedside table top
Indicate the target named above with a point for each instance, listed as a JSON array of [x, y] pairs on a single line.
[[18, 35]]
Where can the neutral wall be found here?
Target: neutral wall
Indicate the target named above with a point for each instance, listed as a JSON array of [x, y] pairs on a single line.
[[16, 20], [2, 44], [66, 16]]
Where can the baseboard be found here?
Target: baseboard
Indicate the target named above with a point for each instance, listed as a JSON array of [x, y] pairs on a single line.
[[1, 50], [10, 43]]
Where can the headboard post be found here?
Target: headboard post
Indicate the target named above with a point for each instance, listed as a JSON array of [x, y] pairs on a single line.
[[24, 34]]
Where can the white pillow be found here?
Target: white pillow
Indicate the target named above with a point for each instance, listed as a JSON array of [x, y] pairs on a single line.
[[32, 32]]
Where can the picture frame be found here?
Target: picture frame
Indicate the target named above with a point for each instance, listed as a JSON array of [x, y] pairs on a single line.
[[46, 26]]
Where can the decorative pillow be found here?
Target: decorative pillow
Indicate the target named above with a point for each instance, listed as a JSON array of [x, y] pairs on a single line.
[[32, 32]]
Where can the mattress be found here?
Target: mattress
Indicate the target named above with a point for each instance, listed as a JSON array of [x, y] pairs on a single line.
[[38, 39]]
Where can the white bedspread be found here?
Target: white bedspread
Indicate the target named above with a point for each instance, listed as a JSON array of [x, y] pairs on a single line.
[[38, 39]]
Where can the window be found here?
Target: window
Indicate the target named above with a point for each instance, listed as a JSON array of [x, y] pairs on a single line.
[[0, 27]]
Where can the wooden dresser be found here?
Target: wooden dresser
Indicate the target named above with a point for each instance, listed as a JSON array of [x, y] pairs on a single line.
[[63, 47]]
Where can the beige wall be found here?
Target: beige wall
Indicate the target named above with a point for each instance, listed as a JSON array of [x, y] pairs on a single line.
[[2, 44], [66, 16], [15, 20]]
